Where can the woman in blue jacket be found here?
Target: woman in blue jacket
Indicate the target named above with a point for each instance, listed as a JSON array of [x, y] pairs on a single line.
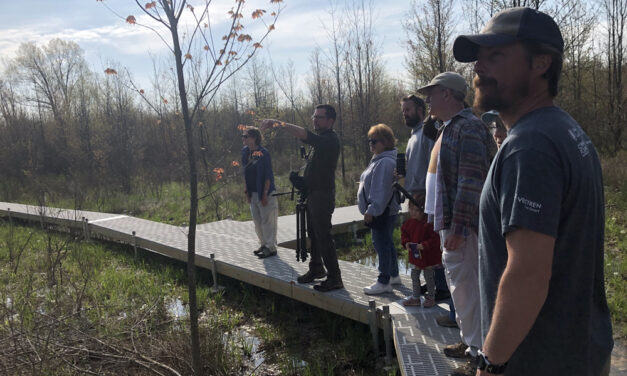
[[377, 202], [259, 187]]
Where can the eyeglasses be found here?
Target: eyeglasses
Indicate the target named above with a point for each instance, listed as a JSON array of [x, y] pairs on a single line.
[[372, 141], [244, 136], [494, 126], [316, 117]]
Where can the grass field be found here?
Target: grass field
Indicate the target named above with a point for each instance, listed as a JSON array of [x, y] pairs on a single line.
[[73, 307]]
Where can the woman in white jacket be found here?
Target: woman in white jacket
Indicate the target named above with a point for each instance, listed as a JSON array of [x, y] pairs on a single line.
[[377, 202]]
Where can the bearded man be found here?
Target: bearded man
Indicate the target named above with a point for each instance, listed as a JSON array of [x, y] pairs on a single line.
[[541, 229]]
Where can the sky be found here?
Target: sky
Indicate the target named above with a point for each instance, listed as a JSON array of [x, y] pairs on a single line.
[[108, 40]]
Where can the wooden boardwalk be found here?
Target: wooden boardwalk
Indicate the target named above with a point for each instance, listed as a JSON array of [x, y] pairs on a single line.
[[417, 338]]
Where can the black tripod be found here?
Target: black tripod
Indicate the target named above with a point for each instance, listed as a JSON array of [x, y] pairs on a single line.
[[301, 227], [301, 222]]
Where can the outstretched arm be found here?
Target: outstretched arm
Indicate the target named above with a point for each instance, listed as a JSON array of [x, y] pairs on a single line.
[[294, 130]]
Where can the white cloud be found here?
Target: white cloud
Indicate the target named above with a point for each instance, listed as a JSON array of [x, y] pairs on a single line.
[[105, 36]]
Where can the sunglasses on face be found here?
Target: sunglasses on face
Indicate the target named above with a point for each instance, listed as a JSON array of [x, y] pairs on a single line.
[[244, 136], [494, 126], [372, 141]]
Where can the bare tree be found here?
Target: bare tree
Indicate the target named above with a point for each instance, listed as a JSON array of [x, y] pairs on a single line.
[[207, 71], [364, 71], [335, 57], [49, 75], [319, 83], [429, 29], [616, 15]]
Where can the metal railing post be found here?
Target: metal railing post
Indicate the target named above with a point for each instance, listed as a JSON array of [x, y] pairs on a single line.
[[10, 217]]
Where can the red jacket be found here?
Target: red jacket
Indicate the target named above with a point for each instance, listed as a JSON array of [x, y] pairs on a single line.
[[421, 232]]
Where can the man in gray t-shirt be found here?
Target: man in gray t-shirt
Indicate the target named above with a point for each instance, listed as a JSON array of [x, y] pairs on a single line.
[[419, 144], [541, 229]]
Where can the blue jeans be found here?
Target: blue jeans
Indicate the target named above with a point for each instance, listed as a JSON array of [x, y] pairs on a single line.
[[384, 245]]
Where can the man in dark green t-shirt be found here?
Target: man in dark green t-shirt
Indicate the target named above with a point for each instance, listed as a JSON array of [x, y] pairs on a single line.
[[541, 228], [319, 179]]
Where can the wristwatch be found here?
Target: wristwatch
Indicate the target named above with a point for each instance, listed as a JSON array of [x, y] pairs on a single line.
[[485, 365]]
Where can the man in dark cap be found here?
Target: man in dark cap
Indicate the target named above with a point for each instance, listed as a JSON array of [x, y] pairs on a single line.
[[543, 305]]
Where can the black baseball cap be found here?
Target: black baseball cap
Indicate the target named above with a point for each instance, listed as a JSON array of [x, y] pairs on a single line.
[[508, 26]]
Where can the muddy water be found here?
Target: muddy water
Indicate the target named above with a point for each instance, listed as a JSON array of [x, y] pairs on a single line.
[[373, 261]]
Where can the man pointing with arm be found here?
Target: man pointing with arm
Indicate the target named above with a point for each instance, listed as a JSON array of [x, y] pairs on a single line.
[[319, 179]]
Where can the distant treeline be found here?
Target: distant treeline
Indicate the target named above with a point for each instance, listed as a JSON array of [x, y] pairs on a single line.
[[62, 120]]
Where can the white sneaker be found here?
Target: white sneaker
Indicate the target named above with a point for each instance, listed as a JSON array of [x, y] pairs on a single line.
[[396, 280], [377, 288]]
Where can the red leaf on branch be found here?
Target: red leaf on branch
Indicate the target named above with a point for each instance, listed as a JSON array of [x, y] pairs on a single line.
[[232, 53], [141, 91], [165, 101], [257, 45], [110, 71], [206, 48], [188, 56], [258, 13], [273, 14], [150, 5], [238, 27], [276, 1], [235, 15], [218, 62], [271, 27], [131, 20], [218, 171], [244, 37]]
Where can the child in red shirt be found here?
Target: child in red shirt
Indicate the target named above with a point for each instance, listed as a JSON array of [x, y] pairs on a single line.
[[423, 248]]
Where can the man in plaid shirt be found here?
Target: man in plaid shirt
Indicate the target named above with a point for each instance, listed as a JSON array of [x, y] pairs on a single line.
[[457, 170]]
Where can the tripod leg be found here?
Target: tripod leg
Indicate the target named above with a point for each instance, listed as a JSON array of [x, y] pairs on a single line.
[[303, 248], [298, 225]]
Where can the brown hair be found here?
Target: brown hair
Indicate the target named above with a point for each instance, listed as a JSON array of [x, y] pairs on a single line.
[[417, 101], [329, 110], [420, 197], [384, 134], [254, 133], [552, 75]]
